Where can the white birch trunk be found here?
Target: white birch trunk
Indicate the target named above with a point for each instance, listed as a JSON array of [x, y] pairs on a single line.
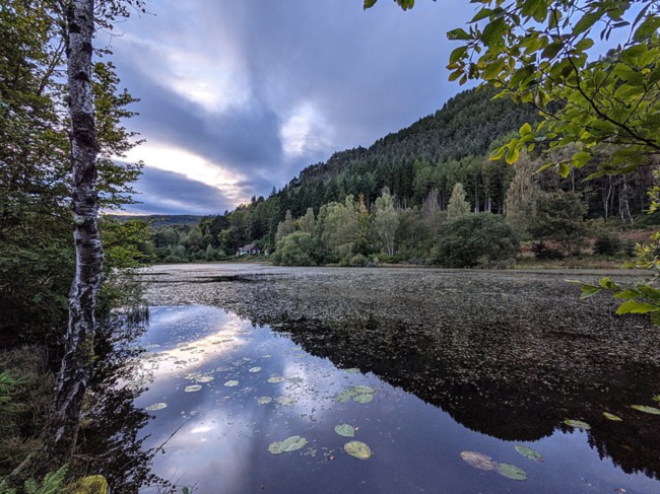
[[79, 345]]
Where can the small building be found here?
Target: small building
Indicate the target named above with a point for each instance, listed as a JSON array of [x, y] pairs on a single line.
[[249, 249]]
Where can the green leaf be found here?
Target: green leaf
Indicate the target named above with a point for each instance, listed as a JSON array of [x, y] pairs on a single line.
[[611, 416], [358, 450], [587, 21], [482, 14], [289, 445], [457, 54], [493, 33], [577, 424], [345, 430], [369, 3], [511, 471], [156, 406], [458, 34], [564, 170], [525, 129], [588, 291], [529, 453], [636, 307], [578, 160], [645, 409], [363, 398]]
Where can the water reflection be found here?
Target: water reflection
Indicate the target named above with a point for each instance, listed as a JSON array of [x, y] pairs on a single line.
[[435, 394]]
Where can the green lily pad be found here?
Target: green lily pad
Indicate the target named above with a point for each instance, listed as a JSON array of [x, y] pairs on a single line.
[[156, 406], [231, 384], [204, 379], [290, 444], [276, 379], [363, 390], [286, 401], [478, 460], [577, 424], [511, 471], [645, 409], [342, 397], [353, 370], [345, 430], [363, 398], [529, 453], [264, 400], [255, 369], [358, 450], [611, 416], [193, 388]]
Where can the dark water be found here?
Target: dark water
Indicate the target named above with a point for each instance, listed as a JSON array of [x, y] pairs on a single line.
[[436, 394]]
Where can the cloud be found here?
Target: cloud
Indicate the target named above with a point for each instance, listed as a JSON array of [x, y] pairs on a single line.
[[260, 89], [165, 192]]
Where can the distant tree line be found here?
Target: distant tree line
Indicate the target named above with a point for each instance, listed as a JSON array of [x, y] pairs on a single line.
[[420, 168]]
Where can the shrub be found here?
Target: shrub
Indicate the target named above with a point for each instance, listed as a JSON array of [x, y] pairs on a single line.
[[607, 245], [294, 250], [544, 253], [473, 238]]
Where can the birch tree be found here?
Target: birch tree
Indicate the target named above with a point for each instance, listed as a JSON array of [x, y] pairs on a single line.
[[79, 345], [386, 220]]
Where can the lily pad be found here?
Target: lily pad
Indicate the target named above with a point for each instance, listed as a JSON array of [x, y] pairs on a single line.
[[577, 424], [193, 388], [342, 397], [529, 453], [255, 369], [511, 471], [231, 384], [156, 406], [611, 416], [363, 398], [353, 370], [290, 444], [478, 460], [645, 409], [276, 379], [358, 450], [345, 430], [204, 379], [264, 400], [286, 401], [363, 390]]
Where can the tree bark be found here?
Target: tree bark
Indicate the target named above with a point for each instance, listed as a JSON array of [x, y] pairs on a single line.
[[79, 344]]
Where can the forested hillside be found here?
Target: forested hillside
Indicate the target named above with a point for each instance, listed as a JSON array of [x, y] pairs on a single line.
[[420, 166]]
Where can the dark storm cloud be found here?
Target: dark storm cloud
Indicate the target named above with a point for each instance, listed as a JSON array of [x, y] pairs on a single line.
[[265, 88], [171, 193]]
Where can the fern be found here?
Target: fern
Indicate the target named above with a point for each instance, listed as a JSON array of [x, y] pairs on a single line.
[[52, 483]]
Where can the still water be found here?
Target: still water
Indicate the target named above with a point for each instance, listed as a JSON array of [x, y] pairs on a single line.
[[439, 410]]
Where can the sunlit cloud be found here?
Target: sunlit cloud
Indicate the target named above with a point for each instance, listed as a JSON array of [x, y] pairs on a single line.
[[191, 166], [306, 132]]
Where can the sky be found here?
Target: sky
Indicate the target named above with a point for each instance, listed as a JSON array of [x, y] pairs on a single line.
[[238, 96]]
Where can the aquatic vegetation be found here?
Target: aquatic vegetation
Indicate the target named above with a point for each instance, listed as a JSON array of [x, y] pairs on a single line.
[[358, 450], [611, 416], [156, 407], [478, 460], [232, 383], [192, 388], [529, 453], [511, 471], [290, 444], [577, 424], [345, 430], [645, 409]]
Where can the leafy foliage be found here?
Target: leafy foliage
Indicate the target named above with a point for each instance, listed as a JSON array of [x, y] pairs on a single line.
[[472, 238]]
